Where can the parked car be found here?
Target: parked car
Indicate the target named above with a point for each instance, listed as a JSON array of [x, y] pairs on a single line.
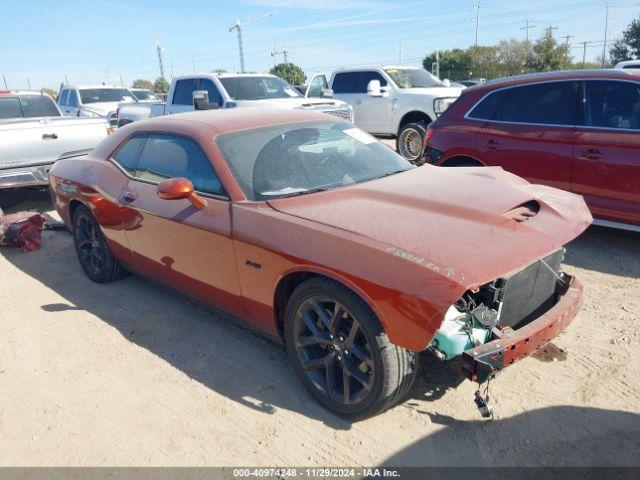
[[390, 101], [578, 131], [320, 235], [628, 64], [230, 90], [33, 135], [144, 95], [93, 101]]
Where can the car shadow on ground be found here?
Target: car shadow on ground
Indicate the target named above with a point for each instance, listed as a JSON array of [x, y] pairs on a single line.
[[553, 436], [14, 200], [606, 250]]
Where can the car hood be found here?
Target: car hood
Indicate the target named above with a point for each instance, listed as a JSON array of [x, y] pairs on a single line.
[[103, 109], [291, 103], [434, 92], [453, 221]]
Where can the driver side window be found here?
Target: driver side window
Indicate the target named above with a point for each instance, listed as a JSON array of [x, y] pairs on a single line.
[[168, 156]]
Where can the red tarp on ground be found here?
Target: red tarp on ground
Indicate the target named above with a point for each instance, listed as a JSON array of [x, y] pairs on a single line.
[[21, 230]]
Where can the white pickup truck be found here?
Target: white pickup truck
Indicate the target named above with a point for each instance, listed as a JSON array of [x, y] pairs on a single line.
[[392, 101], [34, 134], [228, 90]]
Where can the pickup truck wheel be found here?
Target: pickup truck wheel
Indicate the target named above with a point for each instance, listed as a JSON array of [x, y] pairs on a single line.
[[92, 249], [341, 353], [410, 141]]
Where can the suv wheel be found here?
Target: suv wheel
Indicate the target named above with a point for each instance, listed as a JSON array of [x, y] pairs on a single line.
[[410, 141], [341, 353]]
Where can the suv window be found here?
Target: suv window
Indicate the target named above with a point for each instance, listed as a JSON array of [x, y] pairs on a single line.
[[10, 107], [168, 156], [214, 93], [38, 106], [542, 103], [62, 99], [73, 98], [317, 85], [355, 82], [613, 104], [127, 154], [183, 93]]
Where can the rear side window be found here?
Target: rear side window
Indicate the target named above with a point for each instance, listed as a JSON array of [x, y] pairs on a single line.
[[38, 106], [127, 154], [72, 101], [62, 99], [10, 107], [543, 103], [355, 82], [183, 94], [612, 104], [168, 156]]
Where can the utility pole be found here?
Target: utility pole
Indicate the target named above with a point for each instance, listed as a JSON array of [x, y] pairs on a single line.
[[159, 49], [193, 57], [527, 26], [549, 31], [5, 82], [477, 7], [238, 26], [275, 53], [566, 40], [66, 79], [28, 84], [399, 52], [171, 61], [606, 28], [121, 82], [584, 53]]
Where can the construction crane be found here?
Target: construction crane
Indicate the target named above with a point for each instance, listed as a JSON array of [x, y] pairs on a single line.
[[238, 26]]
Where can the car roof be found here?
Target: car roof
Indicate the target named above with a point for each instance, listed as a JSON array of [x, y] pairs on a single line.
[[556, 75], [81, 87], [231, 120]]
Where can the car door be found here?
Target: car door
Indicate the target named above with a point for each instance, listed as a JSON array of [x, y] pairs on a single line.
[[606, 151], [188, 248], [62, 102], [530, 129], [371, 114], [182, 99]]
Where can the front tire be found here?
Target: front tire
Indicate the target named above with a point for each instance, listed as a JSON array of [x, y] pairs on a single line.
[[410, 141], [341, 353], [92, 249]]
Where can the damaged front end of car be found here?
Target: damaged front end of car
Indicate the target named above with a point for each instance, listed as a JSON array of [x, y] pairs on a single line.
[[509, 318]]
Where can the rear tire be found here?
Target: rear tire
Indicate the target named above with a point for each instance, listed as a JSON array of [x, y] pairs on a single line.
[[410, 142], [341, 353], [92, 249]]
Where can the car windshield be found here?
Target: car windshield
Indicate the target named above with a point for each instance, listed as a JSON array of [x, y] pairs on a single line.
[[99, 95], [413, 78], [257, 88], [295, 159], [144, 95]]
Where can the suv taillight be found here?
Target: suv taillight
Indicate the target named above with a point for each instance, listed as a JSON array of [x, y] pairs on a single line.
[[427, 136]]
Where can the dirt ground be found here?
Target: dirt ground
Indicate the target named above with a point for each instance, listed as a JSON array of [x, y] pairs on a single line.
[[128, 374]]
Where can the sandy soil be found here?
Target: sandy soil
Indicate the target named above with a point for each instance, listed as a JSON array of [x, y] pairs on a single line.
[[128, 374]]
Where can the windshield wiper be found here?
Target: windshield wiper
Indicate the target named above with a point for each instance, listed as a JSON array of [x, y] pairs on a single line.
[[394, 172]]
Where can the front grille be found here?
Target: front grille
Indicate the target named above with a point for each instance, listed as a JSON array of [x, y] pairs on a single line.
[[529, 293]]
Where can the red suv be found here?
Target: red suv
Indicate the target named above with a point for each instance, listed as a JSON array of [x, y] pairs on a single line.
[[579, 131]]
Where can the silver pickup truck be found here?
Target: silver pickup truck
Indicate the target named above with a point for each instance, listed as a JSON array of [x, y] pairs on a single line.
[[34, 134]]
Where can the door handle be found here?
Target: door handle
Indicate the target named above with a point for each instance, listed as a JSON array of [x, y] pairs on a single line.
[[129, 196], [491, 144], [590, 154], [49, 136]]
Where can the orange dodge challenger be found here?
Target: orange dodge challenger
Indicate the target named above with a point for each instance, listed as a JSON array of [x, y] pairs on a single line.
[[315, 232]]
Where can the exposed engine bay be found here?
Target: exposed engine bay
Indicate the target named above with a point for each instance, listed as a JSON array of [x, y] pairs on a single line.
[[506, 303]]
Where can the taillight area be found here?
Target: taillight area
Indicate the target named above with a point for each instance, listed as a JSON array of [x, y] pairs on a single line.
[[427, 136]]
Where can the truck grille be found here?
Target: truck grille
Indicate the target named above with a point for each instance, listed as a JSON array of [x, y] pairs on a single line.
[[529, 293]]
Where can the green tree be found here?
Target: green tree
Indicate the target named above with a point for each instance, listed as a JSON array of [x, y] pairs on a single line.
[[454, 64], [160, 85], [548, 55], [513, 55], [484, 62], [290, 73], [619, 52], [142, 83], [631, 37]]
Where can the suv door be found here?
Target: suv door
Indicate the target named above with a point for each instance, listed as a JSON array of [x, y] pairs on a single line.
[[529, 130], [606, 158], [187, 248], [371, 114]]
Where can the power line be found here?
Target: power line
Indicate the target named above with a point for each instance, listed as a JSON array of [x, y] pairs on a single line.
[[527, 26]]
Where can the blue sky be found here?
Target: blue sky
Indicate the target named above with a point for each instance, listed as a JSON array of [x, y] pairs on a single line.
[[95, 41]]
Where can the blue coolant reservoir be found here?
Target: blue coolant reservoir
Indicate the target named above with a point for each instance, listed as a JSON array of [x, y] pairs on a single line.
[[452, 338]]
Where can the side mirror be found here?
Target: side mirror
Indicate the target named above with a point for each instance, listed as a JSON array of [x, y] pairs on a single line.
[[326, 93], [201, 100], [179, 189], [374, 89], [447, 82]]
